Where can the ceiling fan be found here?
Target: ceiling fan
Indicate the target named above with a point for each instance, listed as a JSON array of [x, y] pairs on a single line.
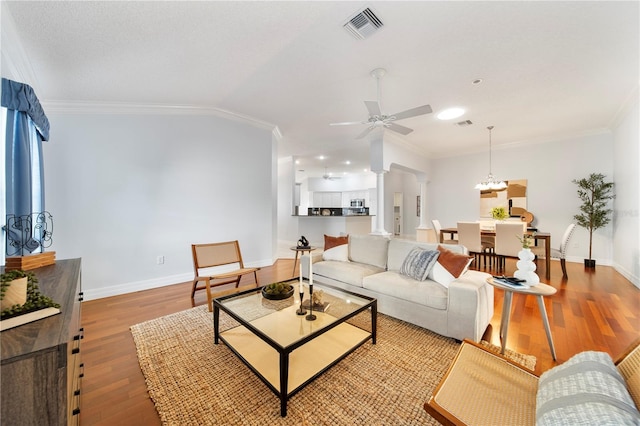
[[329, 176], [379, 120]]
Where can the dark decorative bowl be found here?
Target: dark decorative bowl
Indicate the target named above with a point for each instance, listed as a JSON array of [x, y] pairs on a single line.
[[279, 296]]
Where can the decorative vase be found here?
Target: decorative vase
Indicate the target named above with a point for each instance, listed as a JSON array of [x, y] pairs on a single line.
[[16, 294], [526, 267]]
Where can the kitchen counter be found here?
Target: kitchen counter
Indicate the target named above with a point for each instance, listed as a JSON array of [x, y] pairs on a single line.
[[338, 211], [314, 228]]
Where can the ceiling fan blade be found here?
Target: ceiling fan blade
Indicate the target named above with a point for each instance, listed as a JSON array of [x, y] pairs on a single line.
[[365, 132], [421, 110], [398, 128], [347, 123], [373, 107]]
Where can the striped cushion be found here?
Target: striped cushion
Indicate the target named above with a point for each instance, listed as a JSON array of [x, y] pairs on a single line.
[[418, 263], [585, 390]]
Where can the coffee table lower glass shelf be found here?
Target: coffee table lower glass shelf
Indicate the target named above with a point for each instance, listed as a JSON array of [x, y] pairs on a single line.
[[285, 350]]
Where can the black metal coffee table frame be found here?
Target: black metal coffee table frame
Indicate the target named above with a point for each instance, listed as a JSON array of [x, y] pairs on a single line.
[[285, 351]]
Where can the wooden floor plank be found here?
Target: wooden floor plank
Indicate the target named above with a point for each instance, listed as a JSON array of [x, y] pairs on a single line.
[[592, 310]]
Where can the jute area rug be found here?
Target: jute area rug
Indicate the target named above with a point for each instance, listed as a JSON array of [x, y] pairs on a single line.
[[194, 382]]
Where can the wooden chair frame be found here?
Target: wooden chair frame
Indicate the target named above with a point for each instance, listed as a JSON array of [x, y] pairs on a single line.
[[214, 255], [628, 364]]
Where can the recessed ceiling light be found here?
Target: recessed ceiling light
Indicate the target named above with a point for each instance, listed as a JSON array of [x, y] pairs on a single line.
[[450, 113], [477, 81], [347, 162]]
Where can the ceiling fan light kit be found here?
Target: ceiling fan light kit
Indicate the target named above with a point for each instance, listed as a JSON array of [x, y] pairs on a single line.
[[490, 182], [450, 113], [379, 120]]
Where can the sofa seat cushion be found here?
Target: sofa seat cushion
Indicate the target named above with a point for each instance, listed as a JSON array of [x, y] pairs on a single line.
[[427, 293], [347, 272]]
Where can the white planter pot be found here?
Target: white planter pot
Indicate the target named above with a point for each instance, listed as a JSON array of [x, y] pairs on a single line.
[[526, 267], [16, 294]]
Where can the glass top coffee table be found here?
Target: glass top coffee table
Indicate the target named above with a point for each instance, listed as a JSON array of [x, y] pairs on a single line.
[[284, 349]]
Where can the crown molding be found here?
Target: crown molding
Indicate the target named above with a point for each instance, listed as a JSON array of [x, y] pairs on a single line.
[[528, 142], [123, 108], [624, 109], [390, 136]]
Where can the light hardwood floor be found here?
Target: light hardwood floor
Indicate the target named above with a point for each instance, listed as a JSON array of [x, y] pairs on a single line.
[[592, 310]]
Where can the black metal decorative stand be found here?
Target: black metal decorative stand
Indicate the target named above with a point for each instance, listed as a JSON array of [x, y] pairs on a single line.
[[301, 311], [29, 233], [310, 317]]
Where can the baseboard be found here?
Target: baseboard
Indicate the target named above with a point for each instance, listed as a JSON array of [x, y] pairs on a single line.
[[635, 280], [603, 262], [116, 290]]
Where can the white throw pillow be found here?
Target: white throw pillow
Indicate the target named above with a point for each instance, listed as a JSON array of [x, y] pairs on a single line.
[[443, 277], [440, 275], [339, 253]]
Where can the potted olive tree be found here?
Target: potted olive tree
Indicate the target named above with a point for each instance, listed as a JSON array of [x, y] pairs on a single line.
[[595, 194]]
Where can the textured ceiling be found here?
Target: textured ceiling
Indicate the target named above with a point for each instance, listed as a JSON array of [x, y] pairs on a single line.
[[548, 69]]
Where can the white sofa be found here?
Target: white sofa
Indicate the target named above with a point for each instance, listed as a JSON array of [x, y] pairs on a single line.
[[463, 310]]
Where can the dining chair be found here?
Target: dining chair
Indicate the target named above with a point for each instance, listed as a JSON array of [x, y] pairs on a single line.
[[469, 237], [559, 253], [488, 241], [437, 228], [214, 255], [507, 242]]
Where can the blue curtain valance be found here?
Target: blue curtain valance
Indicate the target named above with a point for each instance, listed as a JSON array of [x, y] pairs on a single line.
[[21, 97]]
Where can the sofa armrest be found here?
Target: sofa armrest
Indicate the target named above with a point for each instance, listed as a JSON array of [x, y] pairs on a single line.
[[304, 262], [470, 305]]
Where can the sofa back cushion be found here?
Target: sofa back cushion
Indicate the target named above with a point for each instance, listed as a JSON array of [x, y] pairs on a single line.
[[369, 249]]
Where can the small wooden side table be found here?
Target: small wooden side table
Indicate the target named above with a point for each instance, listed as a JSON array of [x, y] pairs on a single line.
[[539, 291], [300, 250]]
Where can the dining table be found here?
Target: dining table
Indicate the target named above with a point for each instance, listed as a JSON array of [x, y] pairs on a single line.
[[538, 236]]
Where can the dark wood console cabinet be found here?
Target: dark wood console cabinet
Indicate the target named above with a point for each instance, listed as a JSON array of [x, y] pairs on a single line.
[[41, 370]]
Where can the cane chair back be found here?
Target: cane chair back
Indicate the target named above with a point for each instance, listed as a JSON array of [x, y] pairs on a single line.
[[207, 260]]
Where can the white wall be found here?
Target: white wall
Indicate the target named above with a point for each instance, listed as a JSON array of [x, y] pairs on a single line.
[[551, 196], [626, 233], [125, 189], [406, 183]]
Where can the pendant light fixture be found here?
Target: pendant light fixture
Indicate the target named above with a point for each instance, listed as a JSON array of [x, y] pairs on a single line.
[[490, 182]]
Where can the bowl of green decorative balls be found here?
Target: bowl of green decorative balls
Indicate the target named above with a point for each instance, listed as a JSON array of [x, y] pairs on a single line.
[[277, 291]]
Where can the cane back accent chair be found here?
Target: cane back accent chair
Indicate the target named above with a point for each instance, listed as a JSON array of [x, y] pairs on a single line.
[[214, 255], [485, 388]]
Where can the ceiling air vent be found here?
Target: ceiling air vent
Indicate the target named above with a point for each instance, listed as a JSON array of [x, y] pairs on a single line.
[[464, 123], [363, 24]]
